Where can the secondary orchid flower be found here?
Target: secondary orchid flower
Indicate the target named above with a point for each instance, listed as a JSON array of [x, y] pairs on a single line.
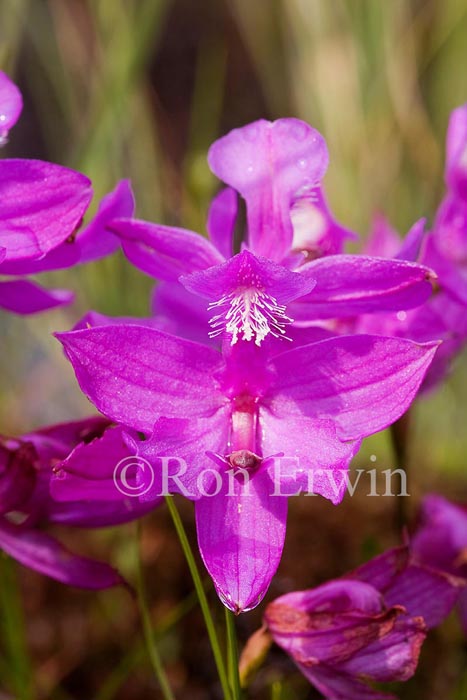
[[366, 626], [441, 541], [312, 405], [26, 507], [41, 209]]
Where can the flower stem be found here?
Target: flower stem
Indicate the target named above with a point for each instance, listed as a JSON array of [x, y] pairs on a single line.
[[400, 433], [232, 648], [15, 662], [203, 601], [151, 646]]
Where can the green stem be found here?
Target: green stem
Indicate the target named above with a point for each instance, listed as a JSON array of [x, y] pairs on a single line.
[[17, 662], [232, 648], [203, 601], [151, 646], [400, 438]]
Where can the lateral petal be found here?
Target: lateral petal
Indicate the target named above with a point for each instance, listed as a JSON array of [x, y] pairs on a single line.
[[363, 382], [135, 374]]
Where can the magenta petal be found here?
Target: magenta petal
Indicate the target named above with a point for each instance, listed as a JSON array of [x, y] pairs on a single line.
[[394, 657], [442, 535], [64, 255], [422, 591], [456, 152], [241, 537], [134, 374], [314, 459], [363, 382], [348, 285], [94, 318], [88, 471], [383, 240], [185, 313], [221, 221], [164, 252], [24, 297], [246, 270], [11, 104], [269, 163], [96, 514], [41, 205], [44, 554], [95, 241], [177, 452]]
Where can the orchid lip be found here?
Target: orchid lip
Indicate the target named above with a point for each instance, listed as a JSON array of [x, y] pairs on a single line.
[[249, 314]]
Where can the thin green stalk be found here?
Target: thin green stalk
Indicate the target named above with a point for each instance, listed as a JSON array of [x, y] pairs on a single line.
[[400, 439], [232, 649], [151, 646], [18, 667], [203, 601], [133, 658]]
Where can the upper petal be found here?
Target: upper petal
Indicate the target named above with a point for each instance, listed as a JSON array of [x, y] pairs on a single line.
[[363, 382], [135, 374], [269, 163]]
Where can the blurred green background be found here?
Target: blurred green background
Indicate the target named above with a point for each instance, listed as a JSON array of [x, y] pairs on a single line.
[[139, 89]]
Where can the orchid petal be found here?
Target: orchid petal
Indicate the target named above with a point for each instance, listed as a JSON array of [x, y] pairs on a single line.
[[95, 241], [422, 591], [185, 314], [134, 374], [44, 554], [41, 205], [269, 163], [88, 471], [241, 537], [221, 221], [24, 297], [164, 252], [363, 382], [456, 152], [348, 285], [182, 445], [314, 460]]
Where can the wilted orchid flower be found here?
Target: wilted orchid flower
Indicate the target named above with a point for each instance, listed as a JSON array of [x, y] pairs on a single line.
[[41, 210], [26, 507], [11, 104], [277, 168], [367, 626], [441, 541], [217, 412]]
